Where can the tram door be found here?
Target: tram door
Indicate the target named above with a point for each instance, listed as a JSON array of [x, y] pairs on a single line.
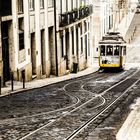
[[5, 52]]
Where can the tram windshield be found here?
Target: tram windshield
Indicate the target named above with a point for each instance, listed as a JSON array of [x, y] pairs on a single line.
[[102, 50], [109, 50], [116, 50]]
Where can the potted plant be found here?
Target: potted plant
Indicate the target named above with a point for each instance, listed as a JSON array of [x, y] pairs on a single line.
[[70, 17], [63, 19], [75, 14]]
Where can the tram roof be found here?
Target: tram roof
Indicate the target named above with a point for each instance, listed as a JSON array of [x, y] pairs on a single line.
[[113, 38], [111, 42]]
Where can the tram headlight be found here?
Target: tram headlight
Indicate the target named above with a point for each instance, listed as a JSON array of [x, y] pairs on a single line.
[[109, 62]]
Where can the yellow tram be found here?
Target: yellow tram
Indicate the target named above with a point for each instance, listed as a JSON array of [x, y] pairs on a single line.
[[112, 51]]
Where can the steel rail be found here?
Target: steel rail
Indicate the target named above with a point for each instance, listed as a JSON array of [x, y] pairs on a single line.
[[63, 115], [76, 132], [55, 111], [69, 112]]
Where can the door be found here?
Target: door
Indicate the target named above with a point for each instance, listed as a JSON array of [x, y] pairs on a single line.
[[33, 54], [5, 52], [67, 51], [43, 54]]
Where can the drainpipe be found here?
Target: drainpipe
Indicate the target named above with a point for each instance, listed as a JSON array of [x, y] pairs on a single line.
[[55, 30]]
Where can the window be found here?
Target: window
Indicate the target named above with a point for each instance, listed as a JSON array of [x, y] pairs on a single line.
[[21, 33], [88, 44], [81, 45], [85, 25], [66, 5], [102, 52], [116, 50], [50, 3], [31, 4], [124, 50], [72, 4], [41, 4], [81, 31], [72, 42], [62, 46], [109, 50], [21, 41], [20, 6]]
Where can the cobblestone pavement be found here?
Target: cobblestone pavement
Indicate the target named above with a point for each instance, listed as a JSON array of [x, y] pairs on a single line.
[[30, 110]]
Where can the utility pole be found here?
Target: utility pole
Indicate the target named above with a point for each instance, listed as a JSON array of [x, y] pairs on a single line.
[[55, 32]]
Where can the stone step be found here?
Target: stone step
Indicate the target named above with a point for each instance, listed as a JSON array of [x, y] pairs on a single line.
[[67, 71], [34, 77]]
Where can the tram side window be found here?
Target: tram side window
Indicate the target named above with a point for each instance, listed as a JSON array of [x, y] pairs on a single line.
[[109, 50], [116, 50], [124, 50], [102, 50]]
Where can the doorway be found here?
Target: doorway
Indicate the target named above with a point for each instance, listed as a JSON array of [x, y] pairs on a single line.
[[67, 50], [51, 50], [43, 54], [5, 52], [33, 54]]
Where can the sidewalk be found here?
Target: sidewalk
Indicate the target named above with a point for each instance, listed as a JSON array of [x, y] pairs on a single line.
[[18, 86], [131, 127], [130, 130]]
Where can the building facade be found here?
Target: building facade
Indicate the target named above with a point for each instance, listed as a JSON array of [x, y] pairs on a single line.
[[112, 13], [107, 16], [74, 34], [39, 40], [24, 35]]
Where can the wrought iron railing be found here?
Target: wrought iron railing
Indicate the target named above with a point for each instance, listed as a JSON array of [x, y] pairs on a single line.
[[74, 15]]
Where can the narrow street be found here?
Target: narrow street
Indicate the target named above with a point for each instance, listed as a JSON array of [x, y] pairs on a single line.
[[56, 111], [59, 56]]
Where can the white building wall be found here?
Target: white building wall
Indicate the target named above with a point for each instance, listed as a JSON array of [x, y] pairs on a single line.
[[50, 17], [15, 34], [46, 29], [107, 9], [27, 31], [36, 20], [82, 58], [37, 32]]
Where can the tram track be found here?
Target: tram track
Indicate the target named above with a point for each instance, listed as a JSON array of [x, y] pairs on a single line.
[[84, 126], [78, 108], [110, 104], [67, 112], [28, 123], [33, 124], [61, 109]]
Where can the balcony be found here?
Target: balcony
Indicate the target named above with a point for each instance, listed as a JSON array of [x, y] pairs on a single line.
[[75, 15], [68, 18]]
